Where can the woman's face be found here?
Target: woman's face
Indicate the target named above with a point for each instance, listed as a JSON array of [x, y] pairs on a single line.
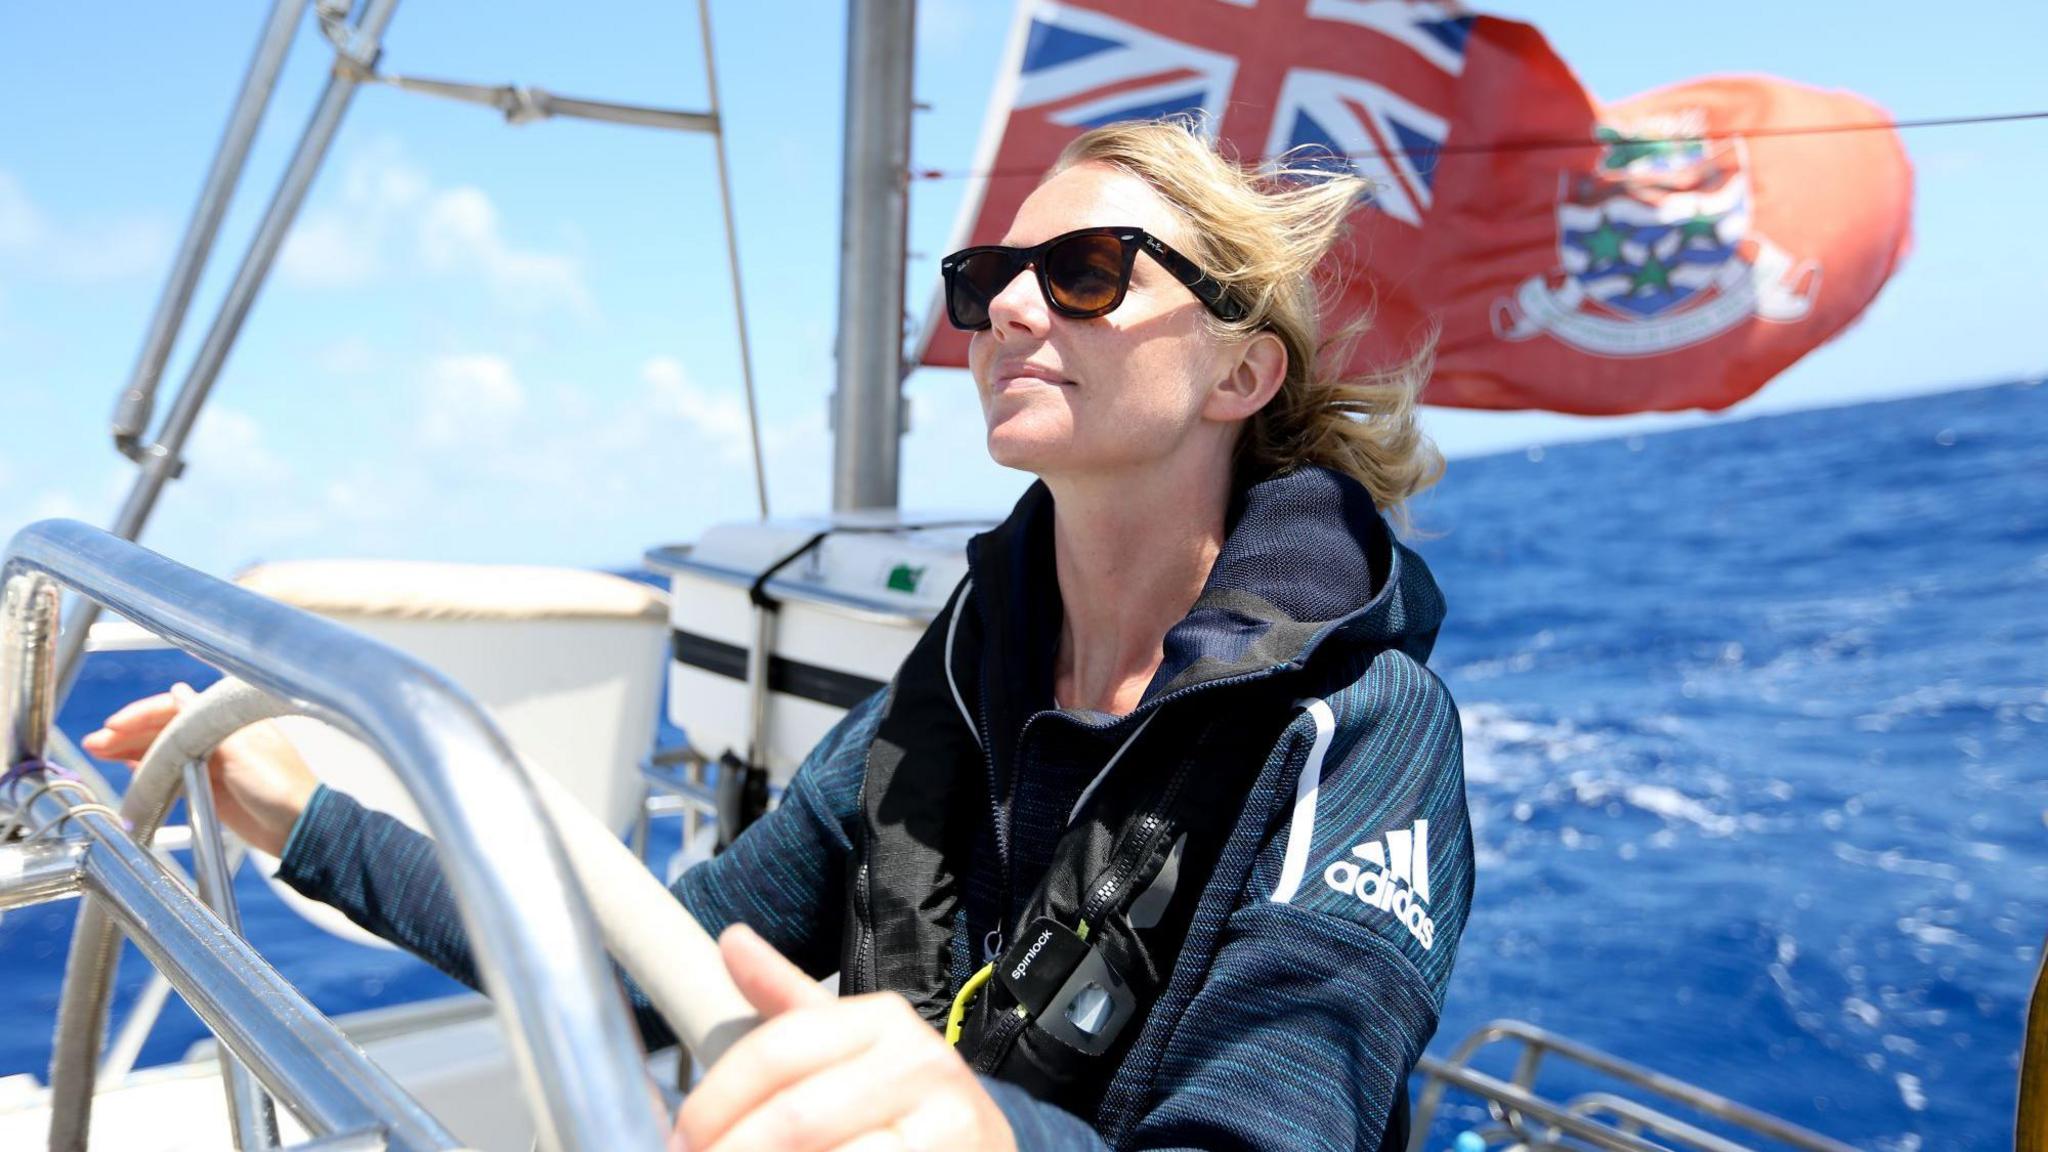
[[1117, 393]]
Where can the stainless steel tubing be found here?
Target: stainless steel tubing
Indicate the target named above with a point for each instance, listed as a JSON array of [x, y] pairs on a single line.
[[40, 871], [523, 103], [365, 1141], [298, 1052], [535, 942], [252, 1118], [1635, 1118], [132, 410], [28, 641], [759, 657], [1692, 1095], [867, 423], [1520, 1100], [160, 465]]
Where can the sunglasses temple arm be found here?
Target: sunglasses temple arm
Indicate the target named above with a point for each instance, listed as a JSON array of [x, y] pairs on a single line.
[[1205, 287]]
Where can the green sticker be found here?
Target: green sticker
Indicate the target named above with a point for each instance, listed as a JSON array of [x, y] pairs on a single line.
[[904, 578]]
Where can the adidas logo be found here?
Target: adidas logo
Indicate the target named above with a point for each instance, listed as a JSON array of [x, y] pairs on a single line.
[[1395, 878]]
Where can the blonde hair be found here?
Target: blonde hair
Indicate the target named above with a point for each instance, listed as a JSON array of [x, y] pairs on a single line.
[[1262, 234]]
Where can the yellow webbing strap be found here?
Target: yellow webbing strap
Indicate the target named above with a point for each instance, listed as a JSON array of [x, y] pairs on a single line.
[[958, 1016]]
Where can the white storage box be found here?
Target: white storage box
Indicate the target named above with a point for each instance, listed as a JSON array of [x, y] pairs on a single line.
[[852, 604]]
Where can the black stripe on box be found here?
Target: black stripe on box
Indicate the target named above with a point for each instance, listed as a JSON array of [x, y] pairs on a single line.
[[790, 677]]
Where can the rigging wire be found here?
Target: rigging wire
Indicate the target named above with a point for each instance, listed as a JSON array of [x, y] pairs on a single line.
[[732, 250], [1558, 144]]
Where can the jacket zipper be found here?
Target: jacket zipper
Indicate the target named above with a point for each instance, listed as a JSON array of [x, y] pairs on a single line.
[[1150, 831], [999, 803], [864, 952], [996, 1046]]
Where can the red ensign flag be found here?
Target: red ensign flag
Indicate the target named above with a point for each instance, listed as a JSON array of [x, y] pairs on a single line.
[[1674, 250]]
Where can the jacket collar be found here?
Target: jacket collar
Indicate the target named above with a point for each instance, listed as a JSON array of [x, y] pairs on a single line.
[[1307, 562]]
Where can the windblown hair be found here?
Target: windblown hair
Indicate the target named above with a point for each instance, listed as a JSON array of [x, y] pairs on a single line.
[[1263, 234]]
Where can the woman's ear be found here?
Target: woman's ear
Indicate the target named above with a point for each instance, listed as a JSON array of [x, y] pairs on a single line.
[[1255, 372]]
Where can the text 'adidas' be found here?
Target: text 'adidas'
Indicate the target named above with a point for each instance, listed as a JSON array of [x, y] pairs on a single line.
[[1395, 879]]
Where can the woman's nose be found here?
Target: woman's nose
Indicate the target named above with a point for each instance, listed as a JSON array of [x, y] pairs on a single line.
[[1019, 309]]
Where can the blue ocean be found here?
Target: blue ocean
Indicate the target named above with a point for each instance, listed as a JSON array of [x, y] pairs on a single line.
[[1756, 736]]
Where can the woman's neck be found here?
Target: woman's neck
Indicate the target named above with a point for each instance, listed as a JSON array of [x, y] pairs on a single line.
[[1132, 554]]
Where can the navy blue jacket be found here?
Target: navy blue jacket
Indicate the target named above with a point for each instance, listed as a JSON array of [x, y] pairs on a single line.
[[1315, 969]]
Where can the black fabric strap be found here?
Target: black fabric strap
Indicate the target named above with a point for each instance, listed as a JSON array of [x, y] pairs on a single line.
[[813, 682], [758, 590]]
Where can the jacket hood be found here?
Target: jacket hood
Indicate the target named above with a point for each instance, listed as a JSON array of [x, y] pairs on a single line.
[[1307, 563]]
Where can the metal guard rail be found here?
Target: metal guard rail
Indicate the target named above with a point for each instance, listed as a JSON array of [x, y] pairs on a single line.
[[536, 944], [1516, 1101]]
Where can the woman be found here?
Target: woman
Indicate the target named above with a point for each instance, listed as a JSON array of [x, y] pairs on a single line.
[[1062, 922]]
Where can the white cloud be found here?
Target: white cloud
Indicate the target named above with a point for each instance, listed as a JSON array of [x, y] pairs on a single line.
[[469, 398], [459, 233], [350, 356], [230, 450], [84, 494], [389, 217], [497, 460], [21, 225], [945, 26], [340, 245], [56, 504], [327, 250], [90, 253], [719, 417]]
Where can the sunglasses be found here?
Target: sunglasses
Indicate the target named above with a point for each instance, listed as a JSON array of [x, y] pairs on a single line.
[[1083, 274]]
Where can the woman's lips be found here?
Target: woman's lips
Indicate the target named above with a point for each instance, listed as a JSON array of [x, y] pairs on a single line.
[[1021, 375]]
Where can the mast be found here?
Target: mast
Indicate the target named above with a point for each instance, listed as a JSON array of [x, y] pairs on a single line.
[[867, 408]]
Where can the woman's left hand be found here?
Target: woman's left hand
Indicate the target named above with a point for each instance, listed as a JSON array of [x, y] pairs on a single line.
[[863, 1074]]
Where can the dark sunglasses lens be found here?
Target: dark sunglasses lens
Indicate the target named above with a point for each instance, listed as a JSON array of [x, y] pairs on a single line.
[[976, 281], [1086, 273]]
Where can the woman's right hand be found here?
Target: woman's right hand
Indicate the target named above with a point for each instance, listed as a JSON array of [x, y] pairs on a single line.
[[260, 783]]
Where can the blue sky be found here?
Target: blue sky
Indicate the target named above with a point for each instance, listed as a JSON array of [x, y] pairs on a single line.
[[497, 343]]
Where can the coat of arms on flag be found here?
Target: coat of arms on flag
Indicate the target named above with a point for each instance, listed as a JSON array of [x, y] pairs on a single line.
[[1662, 253], [1656, 250]]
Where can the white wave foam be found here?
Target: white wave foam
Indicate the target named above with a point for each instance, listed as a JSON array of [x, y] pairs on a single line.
[[1910, 1093], [1518, 761], [1893, 860]]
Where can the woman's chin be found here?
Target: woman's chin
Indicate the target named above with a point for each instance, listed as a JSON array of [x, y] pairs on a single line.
[[1025, 449]]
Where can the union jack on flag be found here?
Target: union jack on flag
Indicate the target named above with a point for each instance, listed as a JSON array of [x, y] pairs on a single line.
[[1085, 67]]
